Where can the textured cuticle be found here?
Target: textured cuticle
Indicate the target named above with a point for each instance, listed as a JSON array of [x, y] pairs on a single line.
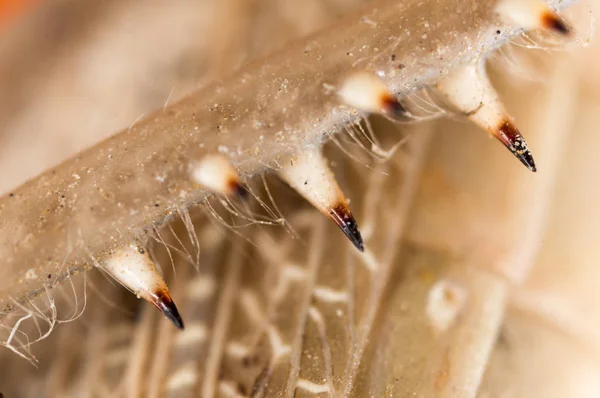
[[112, 193]]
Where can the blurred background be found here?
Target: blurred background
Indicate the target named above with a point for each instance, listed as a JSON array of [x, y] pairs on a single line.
[[456, 226]]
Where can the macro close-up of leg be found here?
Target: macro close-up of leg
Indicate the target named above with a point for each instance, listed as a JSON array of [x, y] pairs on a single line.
[[274, 198]]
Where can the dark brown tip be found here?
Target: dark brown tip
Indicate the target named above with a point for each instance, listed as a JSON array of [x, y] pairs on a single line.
[[341, 215], [512, 139], [166, 305], [393, 108], [555, 23], [236, 188]]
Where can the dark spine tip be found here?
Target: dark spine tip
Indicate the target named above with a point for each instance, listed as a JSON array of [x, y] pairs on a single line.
[[166, 305], [553, 22], [345, 221], [393, 108], [514, 142], [238, 189]]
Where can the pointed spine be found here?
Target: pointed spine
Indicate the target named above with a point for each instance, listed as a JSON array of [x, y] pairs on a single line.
[[310, 176], [215, 173], [367, 92], [469, 89], [133, 268], [532, 14]]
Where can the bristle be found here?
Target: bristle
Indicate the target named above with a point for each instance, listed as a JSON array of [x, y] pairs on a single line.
[[216, 174], [366, 92], [311, 177], [133, 268], [532, 14], [469, 90]]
